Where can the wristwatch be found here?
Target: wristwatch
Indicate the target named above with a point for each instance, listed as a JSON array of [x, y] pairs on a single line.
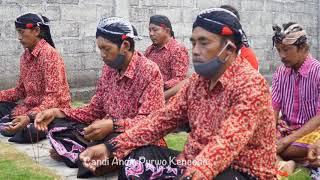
[[115, 127]]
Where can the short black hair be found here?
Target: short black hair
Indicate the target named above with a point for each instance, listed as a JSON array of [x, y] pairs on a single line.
[[45, 32], [232, 9]]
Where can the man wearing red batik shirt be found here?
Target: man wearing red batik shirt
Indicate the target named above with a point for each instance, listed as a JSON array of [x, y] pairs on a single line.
[[130, 88], [42, 81], [228, 106], [170, 55]]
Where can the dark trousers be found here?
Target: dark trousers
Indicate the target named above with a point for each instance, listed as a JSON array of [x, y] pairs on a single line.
[[6, 108], [66, 137], [28, 134]]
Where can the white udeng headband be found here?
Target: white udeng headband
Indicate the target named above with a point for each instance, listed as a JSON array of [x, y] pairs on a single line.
[[42, 21], [216, 9], [291, 35], [121, 22]]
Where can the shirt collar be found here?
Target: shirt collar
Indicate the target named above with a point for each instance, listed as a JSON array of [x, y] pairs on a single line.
[[305, 67], [231, 70], [35, 52], [166, 46]]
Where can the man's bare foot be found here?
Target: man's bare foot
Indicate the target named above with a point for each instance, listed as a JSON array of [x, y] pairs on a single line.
[[54, 155], [314, 154]]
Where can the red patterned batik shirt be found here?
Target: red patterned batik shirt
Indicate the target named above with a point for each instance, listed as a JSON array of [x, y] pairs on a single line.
[[127, 98], [173, 61], [42, 82], [231, 125]]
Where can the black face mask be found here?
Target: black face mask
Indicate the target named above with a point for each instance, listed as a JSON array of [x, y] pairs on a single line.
[[212, 68], [117, 63]]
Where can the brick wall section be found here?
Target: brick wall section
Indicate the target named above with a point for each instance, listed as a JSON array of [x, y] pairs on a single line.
[[73, 26], [74, 22], [257, 18]]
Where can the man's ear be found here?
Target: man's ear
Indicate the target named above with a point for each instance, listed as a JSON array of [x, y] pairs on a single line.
[[231, 48], [125, 46], [168, 30]]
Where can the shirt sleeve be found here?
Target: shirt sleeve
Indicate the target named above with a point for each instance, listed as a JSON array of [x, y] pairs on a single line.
[[151, 100], [152, 128], [179, 67], [276, 93], [17, 93], [54, 73], [91, 112], [251, 105]]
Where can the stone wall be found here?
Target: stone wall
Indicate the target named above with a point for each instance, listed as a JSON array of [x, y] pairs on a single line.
[[73, 24]]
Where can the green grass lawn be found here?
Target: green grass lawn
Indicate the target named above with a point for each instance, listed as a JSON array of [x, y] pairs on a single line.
[[15, 165], [176, 141], [299, 174], [77, 104]]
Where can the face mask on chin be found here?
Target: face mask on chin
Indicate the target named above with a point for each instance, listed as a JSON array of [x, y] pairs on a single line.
[[213, 67]]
